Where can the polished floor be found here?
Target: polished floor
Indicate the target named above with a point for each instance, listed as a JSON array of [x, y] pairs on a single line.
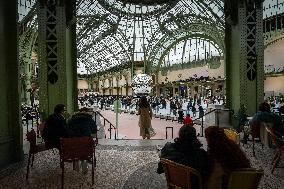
[[128, 126]]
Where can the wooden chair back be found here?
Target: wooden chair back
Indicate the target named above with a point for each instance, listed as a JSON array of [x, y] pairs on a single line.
[[180, 176], [76, 148], [248, 178]]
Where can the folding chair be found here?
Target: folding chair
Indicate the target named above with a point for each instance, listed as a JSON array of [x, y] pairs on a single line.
[[34, 148]]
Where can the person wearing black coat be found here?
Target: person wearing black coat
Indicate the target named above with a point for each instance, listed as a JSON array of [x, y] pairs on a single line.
[[55, 127], [186, 150]]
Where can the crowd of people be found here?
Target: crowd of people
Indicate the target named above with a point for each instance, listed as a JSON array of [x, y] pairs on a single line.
[[276, 104], [176, 106], [222, 156]]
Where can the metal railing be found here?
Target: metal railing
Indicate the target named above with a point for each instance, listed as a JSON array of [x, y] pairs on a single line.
[[172, 129], [111, 126]]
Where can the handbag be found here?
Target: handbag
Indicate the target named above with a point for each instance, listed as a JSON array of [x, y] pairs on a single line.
[[152, 131]]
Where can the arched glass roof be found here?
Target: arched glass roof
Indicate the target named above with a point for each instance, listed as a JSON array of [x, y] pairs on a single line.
[[25, 7], [272, 8], [112, 33]]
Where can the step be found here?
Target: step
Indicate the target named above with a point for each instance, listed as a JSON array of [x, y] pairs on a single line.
[[138, 145], [134, 142]]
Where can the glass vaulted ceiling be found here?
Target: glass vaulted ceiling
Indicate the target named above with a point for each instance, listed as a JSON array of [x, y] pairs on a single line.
[[111, 33]]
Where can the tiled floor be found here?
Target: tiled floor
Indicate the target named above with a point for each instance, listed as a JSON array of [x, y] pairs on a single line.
[[129, 164]]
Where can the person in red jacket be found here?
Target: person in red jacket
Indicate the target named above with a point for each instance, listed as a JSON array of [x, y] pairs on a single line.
[[187, 120]]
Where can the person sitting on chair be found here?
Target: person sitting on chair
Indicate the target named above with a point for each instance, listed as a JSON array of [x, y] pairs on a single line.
[[186, 150], [225, 156], [82, 124], [55, 127]]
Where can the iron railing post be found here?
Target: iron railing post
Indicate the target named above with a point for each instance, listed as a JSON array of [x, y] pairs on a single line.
[[167, 132], [218, 117], [37, 123], [202, 126], [110, 131]]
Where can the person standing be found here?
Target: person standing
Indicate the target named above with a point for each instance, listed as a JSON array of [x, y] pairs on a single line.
[[201, 111], [193, 109], [164, 103], [145, 117]]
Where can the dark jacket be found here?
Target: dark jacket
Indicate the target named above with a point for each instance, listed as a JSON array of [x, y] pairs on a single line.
[[195, 158], [54, 129], [268, 117], [82, 124]]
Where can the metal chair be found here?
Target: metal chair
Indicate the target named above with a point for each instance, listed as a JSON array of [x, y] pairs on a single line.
[[247, 178], [34, 148], [279, 143], [75, 149], [180, 176]]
